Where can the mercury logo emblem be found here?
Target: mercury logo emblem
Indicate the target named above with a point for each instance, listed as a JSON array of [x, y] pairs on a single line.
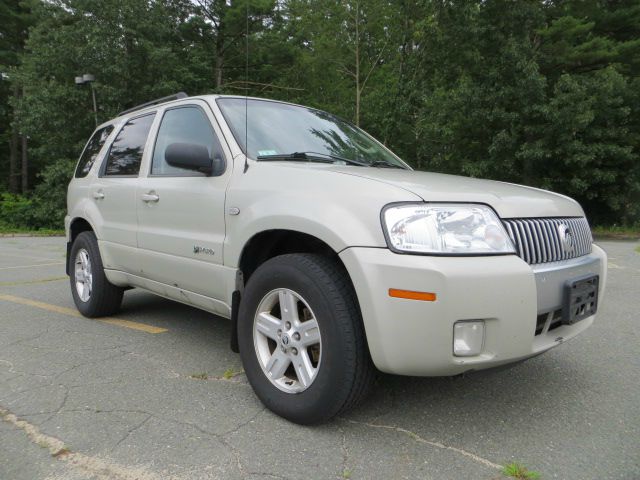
[[566, 238]]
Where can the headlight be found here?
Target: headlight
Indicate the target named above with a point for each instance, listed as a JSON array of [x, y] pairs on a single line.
[[446, 229]]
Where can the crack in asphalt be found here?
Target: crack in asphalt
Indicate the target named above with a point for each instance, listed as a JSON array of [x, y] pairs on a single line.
[[22, 340], [417, 438], [131, 431], [245, 423], [345, 452], [12, 369], [96, 467], [221, 437]]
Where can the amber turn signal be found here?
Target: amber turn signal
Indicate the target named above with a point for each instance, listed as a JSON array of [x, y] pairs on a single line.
[[409, 295]]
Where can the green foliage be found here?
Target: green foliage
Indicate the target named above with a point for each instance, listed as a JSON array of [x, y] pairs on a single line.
[[16, 211], [46, 207], [519, 472], [50, 195], [545, 93]]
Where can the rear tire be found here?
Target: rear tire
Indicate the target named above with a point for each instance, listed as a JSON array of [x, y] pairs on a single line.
[[337, 372], [92, 293]]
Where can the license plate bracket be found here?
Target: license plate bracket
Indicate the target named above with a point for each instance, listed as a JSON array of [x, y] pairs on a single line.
[[580, 299]]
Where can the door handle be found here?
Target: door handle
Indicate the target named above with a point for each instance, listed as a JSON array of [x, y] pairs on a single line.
[[98, 195], [150, 197]]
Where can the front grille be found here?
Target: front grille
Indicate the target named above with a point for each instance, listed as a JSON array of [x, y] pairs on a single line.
[[542, 240]]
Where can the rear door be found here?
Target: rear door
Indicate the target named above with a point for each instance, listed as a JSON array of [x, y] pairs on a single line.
[[113, 195], [181, 216]]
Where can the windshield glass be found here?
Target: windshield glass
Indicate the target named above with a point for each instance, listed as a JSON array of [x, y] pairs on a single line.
[[281, 129]]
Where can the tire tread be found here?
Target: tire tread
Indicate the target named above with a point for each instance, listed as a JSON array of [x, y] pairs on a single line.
[[338, 290], [106, 298]]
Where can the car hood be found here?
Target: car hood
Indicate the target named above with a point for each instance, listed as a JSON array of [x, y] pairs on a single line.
[[507, 199]]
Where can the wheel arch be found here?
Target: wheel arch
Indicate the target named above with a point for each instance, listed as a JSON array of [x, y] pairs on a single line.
[[76, 227], [268, 244]]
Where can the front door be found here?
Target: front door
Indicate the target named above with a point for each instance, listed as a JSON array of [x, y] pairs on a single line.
[[113, 195], [181, 224]]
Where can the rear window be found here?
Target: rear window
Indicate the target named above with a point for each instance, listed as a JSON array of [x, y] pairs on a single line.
[[91, 151], [127, 148]]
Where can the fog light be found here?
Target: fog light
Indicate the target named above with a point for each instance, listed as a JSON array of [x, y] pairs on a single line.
[[468, 337]]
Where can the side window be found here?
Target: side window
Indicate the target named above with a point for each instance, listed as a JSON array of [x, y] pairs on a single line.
[[91, 151], [127, 149], [183, 125]]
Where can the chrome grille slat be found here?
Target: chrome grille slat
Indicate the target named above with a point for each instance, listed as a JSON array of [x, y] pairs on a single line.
[[539, 240], [557, 249], [531, 241], [523, 239]]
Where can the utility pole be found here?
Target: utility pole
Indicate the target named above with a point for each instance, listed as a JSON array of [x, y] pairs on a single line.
[[90, 78]]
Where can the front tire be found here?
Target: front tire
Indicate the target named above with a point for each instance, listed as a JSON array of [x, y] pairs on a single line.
[[301, 338], [92, 293]]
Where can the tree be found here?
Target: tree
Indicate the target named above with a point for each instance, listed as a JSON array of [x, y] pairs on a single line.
[[16, 19], [348, 41], [545, 93], [230, 23]]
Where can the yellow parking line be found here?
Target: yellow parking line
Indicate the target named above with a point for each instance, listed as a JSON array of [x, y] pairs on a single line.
[[74, 313], [30, 257], [32, 282]]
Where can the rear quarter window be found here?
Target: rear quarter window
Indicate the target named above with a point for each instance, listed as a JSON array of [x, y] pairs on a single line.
[[91, 151]]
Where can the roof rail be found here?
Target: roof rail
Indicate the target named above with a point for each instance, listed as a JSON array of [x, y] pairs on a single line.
[[168, 98]]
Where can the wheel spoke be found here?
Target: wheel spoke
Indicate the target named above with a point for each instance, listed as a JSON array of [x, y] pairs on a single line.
[[304, 369], [284, 317], [277, 364], [83, 276], [268, 325], [79, 273], [288, 306], [83, 260], [309, 332]]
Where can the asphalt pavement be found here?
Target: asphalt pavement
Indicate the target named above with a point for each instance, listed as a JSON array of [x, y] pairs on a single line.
[[156, 393]]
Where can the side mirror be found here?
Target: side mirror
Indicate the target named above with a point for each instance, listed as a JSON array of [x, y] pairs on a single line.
[[194, 157]]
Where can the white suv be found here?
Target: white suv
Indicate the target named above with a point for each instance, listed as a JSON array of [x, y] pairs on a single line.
[[329, 254]]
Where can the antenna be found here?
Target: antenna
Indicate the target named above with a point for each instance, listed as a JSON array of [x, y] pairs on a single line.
[[246, 98]]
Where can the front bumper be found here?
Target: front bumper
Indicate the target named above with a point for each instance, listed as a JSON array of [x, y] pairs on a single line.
[[411, 337]]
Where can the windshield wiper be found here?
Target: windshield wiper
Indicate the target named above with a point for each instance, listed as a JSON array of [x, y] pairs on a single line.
[[383, 164], [310, 157], [295, 157], [324, 158]]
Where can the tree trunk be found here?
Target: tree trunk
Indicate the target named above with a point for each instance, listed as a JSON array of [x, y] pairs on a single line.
[[219, 66], [220, 50], [13, 152], [13, 162], [25, 166], [357, 64]]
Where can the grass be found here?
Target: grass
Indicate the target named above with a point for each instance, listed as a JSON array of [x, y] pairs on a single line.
[[637, 249], [346, 474], [617, 232], [519, 472], [229, 373]]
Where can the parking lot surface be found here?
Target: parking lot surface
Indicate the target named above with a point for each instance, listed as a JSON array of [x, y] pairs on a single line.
[[155, 393]]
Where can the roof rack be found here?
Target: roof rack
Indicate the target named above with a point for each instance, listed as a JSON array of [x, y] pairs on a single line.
[[168, 98]]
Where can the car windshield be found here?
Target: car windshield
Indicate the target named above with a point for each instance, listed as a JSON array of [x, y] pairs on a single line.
[[279, 130]]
